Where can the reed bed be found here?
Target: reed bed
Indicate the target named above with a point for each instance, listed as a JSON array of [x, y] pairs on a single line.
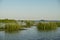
[[46, 26]]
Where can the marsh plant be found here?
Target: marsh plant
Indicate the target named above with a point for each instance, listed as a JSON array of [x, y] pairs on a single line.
[[29, 23], [46, 26], [12, 27], [58, 24]]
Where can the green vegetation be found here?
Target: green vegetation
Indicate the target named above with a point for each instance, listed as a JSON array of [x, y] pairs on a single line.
[[29, 23], [12, 27], [58, 24], [7, 20], [46, 26]]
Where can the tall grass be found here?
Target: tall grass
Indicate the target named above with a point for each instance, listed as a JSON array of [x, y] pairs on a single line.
[[29, 23], [46, 26], [12, 27], [58, 24]]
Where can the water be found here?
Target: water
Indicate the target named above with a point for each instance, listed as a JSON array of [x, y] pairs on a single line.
[[31, 34]]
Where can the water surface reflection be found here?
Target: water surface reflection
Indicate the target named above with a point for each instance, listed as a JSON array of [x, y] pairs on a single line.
[[33, 34]]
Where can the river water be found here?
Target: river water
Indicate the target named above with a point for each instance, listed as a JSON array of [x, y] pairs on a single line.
[[31, 34]]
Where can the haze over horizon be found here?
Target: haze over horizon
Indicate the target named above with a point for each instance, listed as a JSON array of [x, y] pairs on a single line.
[[30, 9]]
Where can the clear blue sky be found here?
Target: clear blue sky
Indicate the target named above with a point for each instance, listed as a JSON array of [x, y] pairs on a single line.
[[30, 9]]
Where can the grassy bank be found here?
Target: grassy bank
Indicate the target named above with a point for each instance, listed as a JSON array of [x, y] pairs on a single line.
[[7, 20]]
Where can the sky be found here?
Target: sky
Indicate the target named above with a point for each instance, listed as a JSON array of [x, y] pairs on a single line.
[[30, 9]]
